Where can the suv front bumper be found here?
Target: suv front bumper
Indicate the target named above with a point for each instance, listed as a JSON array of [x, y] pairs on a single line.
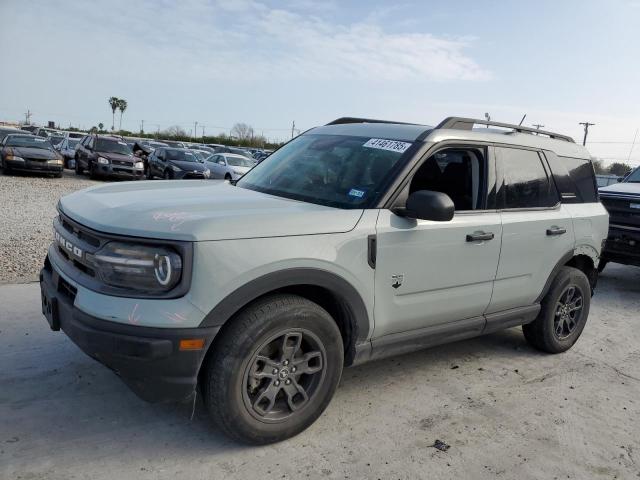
[[148, 359], [119, 171]]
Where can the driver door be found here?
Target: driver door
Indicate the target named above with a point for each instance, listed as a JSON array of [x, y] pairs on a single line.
[[431, 275]]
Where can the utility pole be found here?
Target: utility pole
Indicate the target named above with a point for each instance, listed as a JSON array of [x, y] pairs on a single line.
[[586, 131], [27, 117], [633, 144], [142, 126], [293, 127], [195, 131], [203, 134]]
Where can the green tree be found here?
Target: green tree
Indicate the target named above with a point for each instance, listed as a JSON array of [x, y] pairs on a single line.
[[113, 103], [122, 106], [100, 126], [619, 168], [598, 166]]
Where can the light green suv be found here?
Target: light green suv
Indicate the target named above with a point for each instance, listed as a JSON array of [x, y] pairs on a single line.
[[355, 241]]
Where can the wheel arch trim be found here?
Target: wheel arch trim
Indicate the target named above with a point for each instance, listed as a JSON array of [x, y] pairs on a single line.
[[294, 277]]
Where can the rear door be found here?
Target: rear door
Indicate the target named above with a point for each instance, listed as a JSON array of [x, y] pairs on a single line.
[[537, 230]]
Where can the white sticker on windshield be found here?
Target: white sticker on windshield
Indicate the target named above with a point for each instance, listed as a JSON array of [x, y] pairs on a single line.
[[40, 139], [391, 145], [123, 143]]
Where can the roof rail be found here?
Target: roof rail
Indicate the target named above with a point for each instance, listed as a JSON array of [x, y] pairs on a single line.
[[461, 123], [343, 120]]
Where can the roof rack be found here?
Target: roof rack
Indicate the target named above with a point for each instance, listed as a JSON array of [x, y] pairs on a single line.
[[461, 123], [343, 120]]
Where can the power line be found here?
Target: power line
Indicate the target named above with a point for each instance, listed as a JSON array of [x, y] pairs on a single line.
[[586, 131]]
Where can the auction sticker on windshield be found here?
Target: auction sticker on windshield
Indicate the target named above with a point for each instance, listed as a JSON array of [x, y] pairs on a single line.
[[391, 145]]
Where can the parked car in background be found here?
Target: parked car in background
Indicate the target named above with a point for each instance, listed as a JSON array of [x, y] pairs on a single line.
[[173, 143], [152, 144], [106, 156], [229, 166], [4, 131], [622, 200], [234, 150], [176, 163], [48, 132], [202, 155], [56, 140], [606, 180], [29, 128], [26, 152], [75, 135], [68, 150]]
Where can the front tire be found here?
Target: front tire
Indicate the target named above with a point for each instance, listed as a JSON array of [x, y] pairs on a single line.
[[563, 313], [274, 369]]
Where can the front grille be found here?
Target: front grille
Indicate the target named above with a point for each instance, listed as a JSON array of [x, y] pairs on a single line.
[[77, 244], [122, 162], [620, 210], [193, 175]]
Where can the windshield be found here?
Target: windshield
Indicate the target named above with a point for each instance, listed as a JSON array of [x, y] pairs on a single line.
[[240, 162], [112, 146], [333, 170], [634, 177], [72, 143], [181, 155], [28, 141]]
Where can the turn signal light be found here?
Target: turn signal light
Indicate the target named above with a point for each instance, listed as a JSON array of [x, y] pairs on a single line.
[[192, 344]]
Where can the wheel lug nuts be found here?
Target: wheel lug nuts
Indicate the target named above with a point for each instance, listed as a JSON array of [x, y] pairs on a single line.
[[277, 382], [286, 362], [287, 381], [275, 371]]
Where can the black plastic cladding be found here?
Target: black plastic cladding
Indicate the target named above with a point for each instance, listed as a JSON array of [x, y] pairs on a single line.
[[185, 249]]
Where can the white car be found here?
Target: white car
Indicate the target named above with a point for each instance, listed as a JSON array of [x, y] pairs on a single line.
[[355, 241], [229, 166]]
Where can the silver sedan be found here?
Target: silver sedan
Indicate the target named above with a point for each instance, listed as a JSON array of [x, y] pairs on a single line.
[[229, 166]]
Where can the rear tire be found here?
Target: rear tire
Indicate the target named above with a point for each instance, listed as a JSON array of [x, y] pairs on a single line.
[[563, 313], [167, 175], [227, 177], [250, 384]]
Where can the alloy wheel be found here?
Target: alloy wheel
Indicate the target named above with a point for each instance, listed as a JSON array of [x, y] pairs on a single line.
[[568, 312], [283, 375]]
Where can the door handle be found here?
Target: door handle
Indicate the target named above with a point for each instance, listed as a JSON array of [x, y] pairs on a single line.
[[556, 231], [479, 236]]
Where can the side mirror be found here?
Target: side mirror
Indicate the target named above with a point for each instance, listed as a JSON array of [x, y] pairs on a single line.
[[619, 179], [428, 205]]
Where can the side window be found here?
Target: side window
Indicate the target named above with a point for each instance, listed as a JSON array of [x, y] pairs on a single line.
[[526, 183], [579, 178], [91, 142], [221, 160], [459, 172]]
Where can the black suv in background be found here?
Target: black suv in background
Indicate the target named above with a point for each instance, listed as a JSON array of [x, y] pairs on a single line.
[[105, 156], [622, 200]]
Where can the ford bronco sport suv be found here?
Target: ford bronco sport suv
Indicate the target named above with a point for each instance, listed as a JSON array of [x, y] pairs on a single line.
[[357, 240], [622, 200]]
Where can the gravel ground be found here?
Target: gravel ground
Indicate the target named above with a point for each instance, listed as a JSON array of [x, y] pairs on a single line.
[[506, 410], [28, 208]]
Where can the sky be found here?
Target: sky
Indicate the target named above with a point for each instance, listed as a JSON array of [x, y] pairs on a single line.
[[269, 63]]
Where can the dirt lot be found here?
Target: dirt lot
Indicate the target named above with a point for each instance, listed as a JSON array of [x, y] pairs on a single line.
[[28, 207], [506, 410]]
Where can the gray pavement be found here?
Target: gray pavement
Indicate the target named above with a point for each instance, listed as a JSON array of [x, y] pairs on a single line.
[[506, 410]]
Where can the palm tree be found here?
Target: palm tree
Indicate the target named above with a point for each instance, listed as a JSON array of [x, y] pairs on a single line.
[[122, 106], [101, 126], [113, 103]]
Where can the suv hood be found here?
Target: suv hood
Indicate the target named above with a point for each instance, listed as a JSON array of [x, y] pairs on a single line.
[[625, 188], [34, 153], [199, 210]]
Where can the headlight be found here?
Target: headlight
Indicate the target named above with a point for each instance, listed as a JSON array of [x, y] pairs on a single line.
[[103, 161], [207, 172], [146, 268], [14, 158], [55, 161], [138, 165], [176, 168]]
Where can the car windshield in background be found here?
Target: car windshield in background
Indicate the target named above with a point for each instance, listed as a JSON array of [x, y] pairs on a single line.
[[112, 146], [240, 162], [55, 140], [28, 141], [333, 170], [73, 143], [181, 155], [634, 177]]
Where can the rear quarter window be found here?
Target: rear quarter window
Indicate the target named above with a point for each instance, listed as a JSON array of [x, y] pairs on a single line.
[[574, 177]]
